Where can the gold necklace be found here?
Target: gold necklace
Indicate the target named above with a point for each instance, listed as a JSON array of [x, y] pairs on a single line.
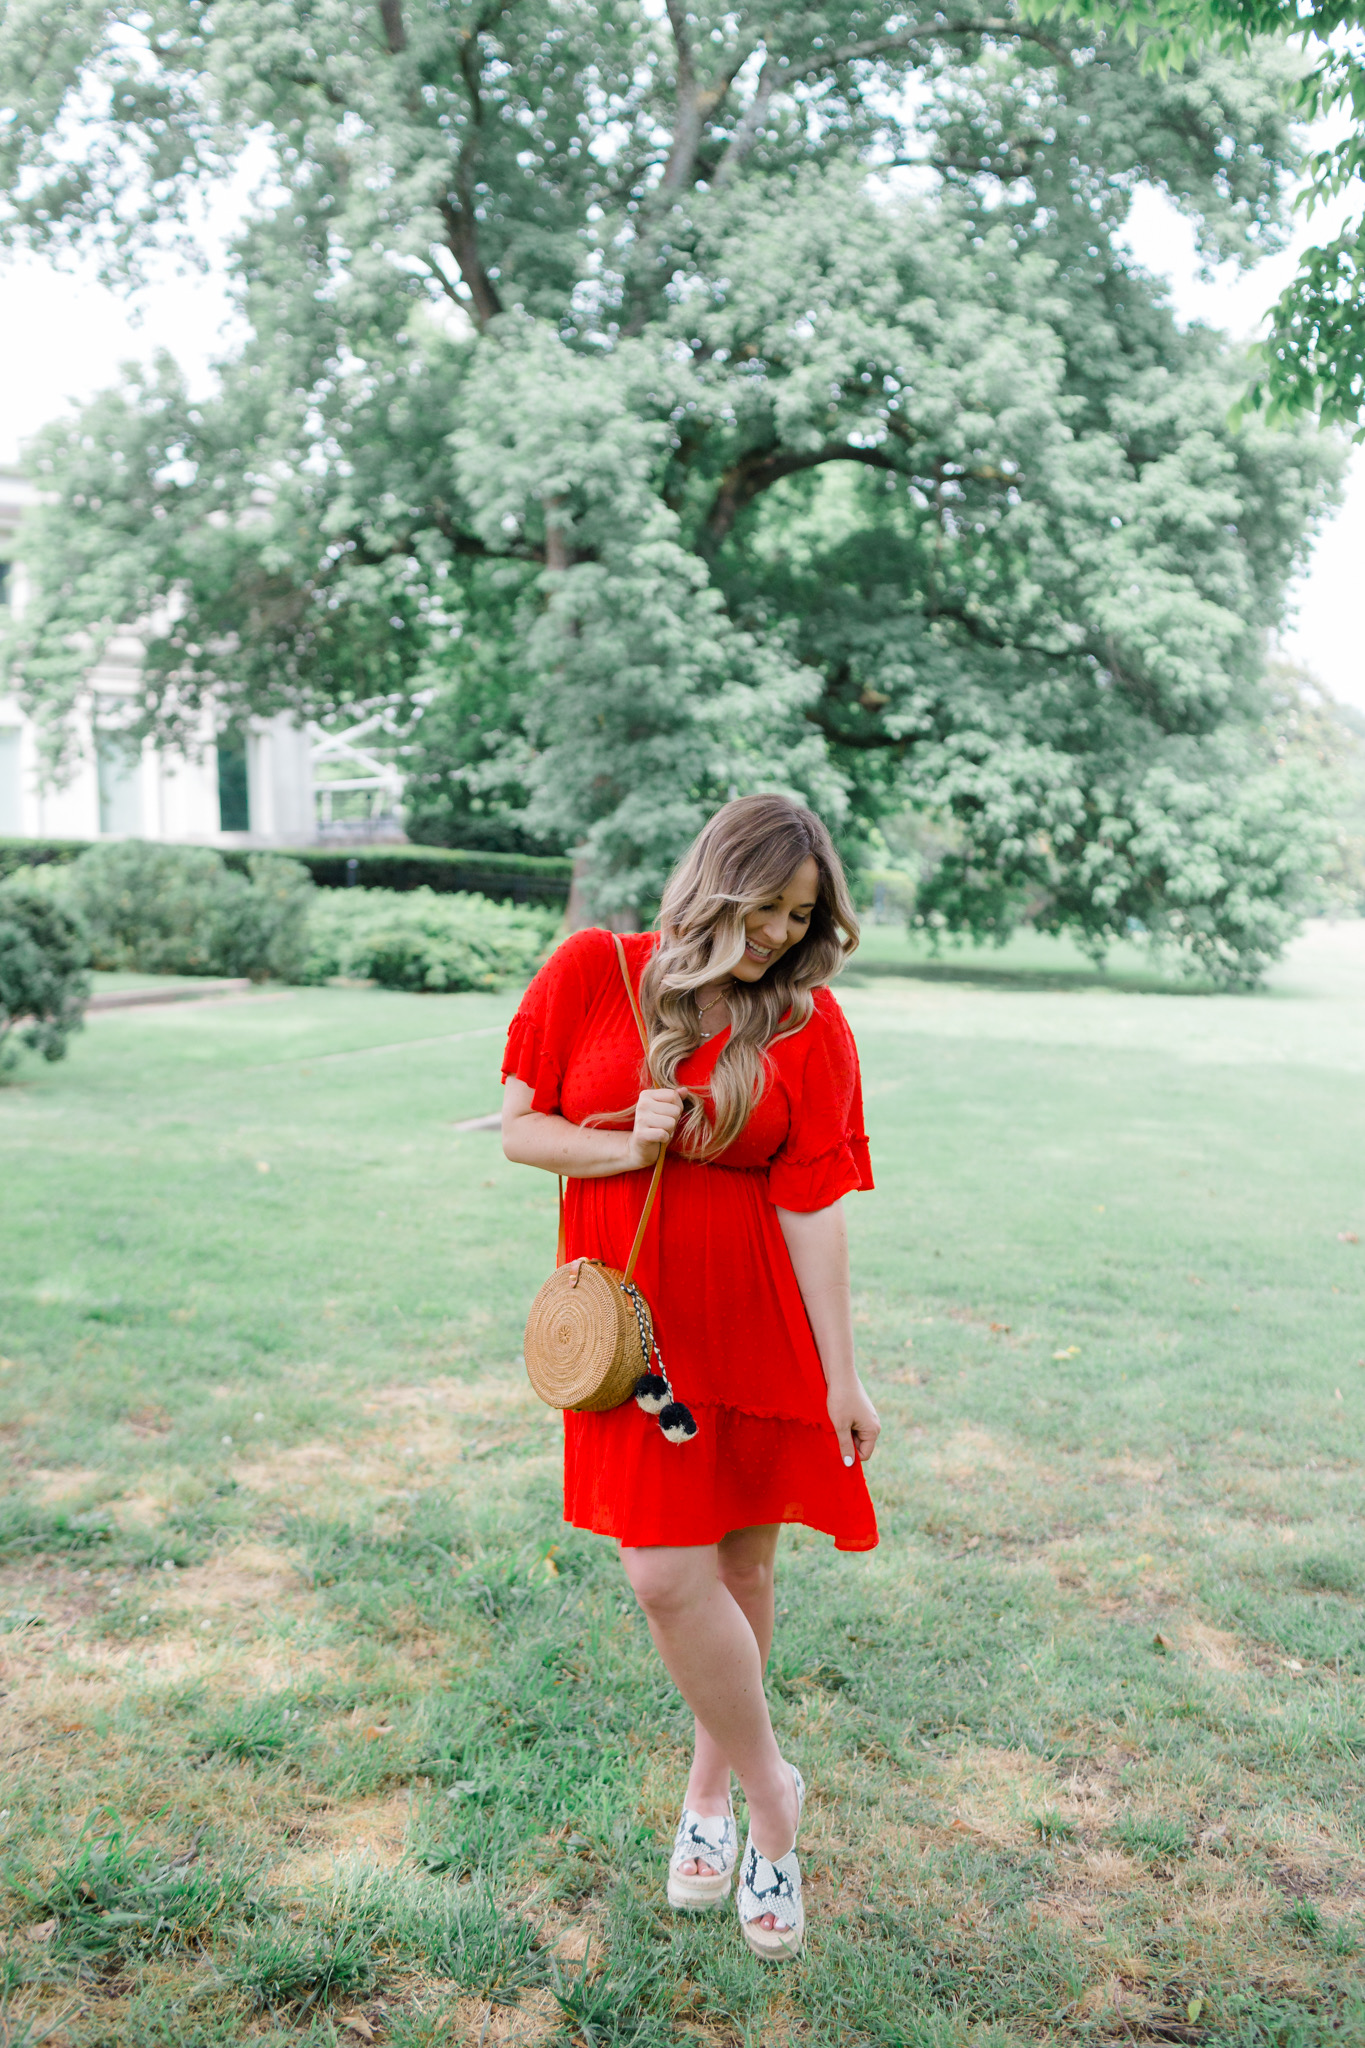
[[702, 1008]]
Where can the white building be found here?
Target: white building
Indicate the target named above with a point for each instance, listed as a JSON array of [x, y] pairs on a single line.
[[278, 785]]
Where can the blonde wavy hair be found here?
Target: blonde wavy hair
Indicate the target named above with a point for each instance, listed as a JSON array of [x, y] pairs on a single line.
[[743, 858]]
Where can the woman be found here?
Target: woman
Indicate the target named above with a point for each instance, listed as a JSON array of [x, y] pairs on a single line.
[[752, 1084]]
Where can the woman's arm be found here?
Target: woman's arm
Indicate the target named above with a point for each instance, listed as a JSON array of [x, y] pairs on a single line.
[[818, 1243], [531, 1138]]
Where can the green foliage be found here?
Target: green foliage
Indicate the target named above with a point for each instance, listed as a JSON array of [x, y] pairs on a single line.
[[1313, 359], [632, 437], [1315, 351], [25, 1528], [416, 939], [263, 927], [1218, 866], [43, 981], [464, 761], [606, 2009], [160, 909], [254, 1731]]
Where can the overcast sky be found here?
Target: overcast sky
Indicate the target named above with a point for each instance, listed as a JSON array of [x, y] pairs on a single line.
[[63, 336]]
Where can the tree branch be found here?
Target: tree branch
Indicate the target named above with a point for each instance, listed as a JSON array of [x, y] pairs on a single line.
[[558, 554], [864, 741], [777, 70], [696, 104], [463, 242], [686, 132], [749, 123], [462, 542], [457, 208], [916, 32], [395, 34], [763, 467], [978, 630]]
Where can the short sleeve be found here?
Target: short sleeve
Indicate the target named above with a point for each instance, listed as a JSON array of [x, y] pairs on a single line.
[[550, 1016], [824, 1155]]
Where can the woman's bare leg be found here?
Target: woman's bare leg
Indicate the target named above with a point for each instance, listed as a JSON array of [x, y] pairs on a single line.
[[745, 1560], [712, 1655]]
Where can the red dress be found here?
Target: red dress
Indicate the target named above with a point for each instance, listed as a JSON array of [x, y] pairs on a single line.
[[728, 1313]]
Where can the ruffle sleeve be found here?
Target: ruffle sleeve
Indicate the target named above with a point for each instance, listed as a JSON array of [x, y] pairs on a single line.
[[550, 1015], [824, 1155]]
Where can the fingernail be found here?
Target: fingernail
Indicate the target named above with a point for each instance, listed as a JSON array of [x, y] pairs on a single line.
[[848, 1461]]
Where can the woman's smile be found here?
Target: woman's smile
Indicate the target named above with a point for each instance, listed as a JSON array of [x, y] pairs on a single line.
[[774, 928]]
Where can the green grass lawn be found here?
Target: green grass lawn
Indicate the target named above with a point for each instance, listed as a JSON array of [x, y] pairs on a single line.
[[319, 1726]]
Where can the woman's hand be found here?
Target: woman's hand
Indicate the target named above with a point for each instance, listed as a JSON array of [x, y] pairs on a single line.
[[854, 1418], [656, 1119]]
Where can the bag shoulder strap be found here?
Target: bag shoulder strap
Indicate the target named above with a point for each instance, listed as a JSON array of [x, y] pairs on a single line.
[[658, 1174]]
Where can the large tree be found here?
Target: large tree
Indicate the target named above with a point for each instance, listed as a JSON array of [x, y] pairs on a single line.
[[692, 401]]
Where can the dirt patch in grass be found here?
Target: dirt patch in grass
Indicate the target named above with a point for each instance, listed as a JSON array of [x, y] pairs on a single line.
[[536, 2016], [1213, 1647], [1333, 1882], [481, 1397], [56, 1487], [973, 1457], [432, 1430], [250, 1578], [372, 1832]]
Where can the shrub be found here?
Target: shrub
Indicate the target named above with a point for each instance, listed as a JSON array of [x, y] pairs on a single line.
[[159, 909], [264, 927], [415, 939], [43, 981]]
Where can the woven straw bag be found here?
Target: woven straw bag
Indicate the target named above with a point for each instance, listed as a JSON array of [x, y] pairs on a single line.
[[590, 1336]]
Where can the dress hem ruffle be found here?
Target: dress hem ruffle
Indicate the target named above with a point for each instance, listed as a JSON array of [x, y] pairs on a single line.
[[806, 1484], [794, 1515]]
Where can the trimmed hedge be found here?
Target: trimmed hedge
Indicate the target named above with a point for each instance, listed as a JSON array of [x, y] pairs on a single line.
[[36, 853], [515, 877], [505, 877]]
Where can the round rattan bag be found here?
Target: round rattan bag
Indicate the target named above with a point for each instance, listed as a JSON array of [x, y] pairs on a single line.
[[584, 1347]]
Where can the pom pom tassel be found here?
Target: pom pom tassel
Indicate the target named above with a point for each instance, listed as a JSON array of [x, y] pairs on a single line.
[[653, 1392], [676, 1423]]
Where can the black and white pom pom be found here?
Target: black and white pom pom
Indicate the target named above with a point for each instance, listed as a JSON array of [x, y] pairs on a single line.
[[676, 1422], [652, 1393]]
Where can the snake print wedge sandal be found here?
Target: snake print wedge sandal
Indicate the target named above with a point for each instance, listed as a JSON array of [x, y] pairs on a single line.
[[709, 1839], [773, 1887]]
